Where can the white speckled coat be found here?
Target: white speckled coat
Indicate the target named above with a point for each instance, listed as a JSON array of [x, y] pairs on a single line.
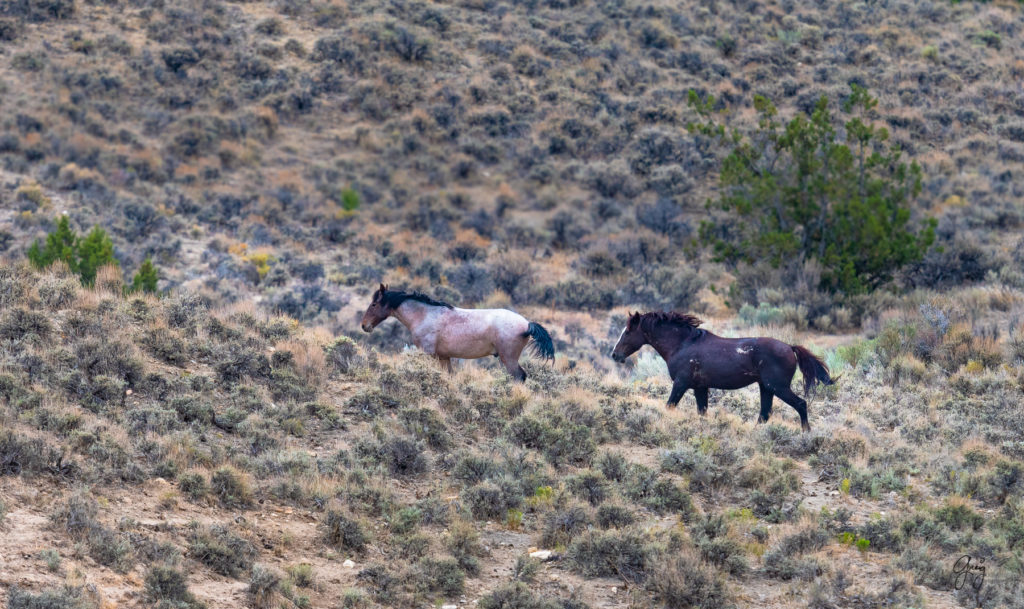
[[447, 332], [466, 333]]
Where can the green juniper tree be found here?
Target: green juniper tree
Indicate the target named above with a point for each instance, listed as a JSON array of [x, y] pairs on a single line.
[[94, 251], [349, 199], [146, 278], [61, 244], [801, 190], [83, 255]]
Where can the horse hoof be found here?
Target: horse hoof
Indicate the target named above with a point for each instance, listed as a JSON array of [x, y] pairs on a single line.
[[806, 428]]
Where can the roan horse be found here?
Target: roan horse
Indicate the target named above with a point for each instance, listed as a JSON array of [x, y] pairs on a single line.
[[700, 360], [444, 331]]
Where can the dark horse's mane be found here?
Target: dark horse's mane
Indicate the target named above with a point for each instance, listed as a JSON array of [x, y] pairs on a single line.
[[394, 298], [671, 317]]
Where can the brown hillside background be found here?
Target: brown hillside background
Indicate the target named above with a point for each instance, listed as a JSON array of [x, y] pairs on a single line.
[[538, 149], [236, 439]]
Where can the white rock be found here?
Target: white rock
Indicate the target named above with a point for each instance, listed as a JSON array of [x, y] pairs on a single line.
[[449, 607], [348, 564], [833, 494], [541, 554]]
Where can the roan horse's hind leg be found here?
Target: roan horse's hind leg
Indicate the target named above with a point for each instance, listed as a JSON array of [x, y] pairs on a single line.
[[701, 394], [514, 369]]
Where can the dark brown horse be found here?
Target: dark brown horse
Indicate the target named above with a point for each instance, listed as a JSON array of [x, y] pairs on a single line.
[[700, 360]]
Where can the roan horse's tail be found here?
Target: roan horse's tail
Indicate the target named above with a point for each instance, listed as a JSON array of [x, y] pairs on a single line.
[[813, 369], [542, 344]]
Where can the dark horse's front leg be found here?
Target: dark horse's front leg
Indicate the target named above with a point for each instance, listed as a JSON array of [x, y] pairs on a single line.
[[701, 394], [766, 404], [679, 387]]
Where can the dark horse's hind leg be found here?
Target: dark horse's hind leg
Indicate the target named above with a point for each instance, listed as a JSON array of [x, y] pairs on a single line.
[[766, 404], [798, 403], [701, 394]]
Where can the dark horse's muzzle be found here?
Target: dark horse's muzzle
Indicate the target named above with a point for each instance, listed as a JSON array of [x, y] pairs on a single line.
[[618, 357]]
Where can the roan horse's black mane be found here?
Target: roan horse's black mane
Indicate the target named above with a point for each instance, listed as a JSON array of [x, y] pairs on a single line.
[[392, 299]]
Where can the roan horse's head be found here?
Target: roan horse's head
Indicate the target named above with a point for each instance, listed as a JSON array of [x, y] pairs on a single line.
[[378, 310], [631, 340]]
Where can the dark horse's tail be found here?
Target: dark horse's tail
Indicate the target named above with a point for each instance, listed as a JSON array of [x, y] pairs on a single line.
[[542, 344], [813, 369]]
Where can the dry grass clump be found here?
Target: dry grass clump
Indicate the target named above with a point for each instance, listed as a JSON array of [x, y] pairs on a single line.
[[72, 597], [784, 559], [78, 518], [264, 587], [109, 279], [308, 357], [221, 550], [342, 532], [168, 587], [230, 488], [684, 581]]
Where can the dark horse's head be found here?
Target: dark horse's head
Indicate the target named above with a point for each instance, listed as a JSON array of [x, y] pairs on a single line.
[[379, 309], [631, 340], [642, 328]]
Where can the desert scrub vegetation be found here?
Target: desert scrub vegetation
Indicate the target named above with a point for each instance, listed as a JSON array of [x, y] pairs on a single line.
[[69, 596], [224, 415], [167, 587]]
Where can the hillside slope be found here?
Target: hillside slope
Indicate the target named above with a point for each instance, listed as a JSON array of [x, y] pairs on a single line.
[[524, 152], [163, 451]]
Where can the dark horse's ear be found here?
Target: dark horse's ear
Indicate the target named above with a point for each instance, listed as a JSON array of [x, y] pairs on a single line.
[[634, 319]]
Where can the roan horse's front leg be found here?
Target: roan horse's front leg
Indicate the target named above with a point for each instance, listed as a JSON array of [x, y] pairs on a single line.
[[679, 387], [446, 363]]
